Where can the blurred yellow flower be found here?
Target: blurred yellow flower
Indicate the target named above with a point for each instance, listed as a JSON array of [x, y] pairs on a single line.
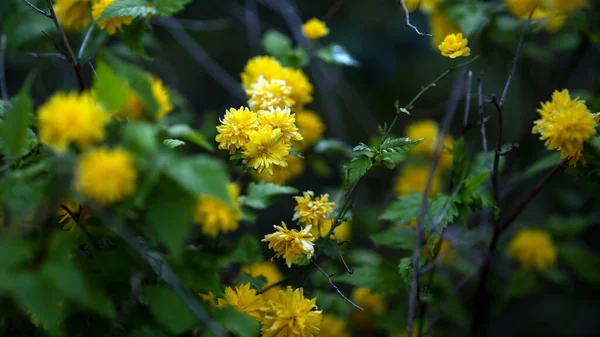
[[283, 175], [243, 299], [566, 6], [342, 232], [428, 130], [565, 125], [332, 326], [522, 8], [291, 315], [270, 271], [134, 107], [280, 119], [315, 29], [71, 118], [454, 45], [266, 94], [215, 216], [267, 148], [553, 20], [265, 66], [370, 302], [302, 89], [236, 126], [441, 26], [208, 298], [445, 160], [414, 179], [161, 96], [310, 210], [73, 15], [81, 214], [311, 128], [291, 244], [533, 248], [106, 175], [445, 251], [111, 25]]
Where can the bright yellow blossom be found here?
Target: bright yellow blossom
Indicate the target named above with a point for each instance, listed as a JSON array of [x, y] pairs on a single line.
[[291, 315], [342, 232], [215, 216], [161, 96], [414, 179], [291, 244], [311, 128], [441, 26], [236, 127], [267, 148], [280, 119], [310, 210], [71, 118], [73, 15], [76, 213], [265, 66], [566, 124], [454, 45], [106, 175], [372, 303], [332, 326], [266, 94], [315, 29], [243, 299], [302, 89], [533, 248], [283, 175], [112, 25], [270, 271]]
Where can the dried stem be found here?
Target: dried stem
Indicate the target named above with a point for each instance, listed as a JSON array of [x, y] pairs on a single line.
[[408, 24], [334, 286]]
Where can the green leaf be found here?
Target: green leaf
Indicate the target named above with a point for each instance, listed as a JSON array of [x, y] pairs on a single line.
[[275, 43], [247, 251], [405, 269], [140, 138], [337, 54], [13, 130], [521, 284], [569, 226], [396, 237], [295, 58], [543, 164], [398, 145], [201, 175], [189, 134], [459, 157], [168, 309], [404, 209], [239, 323], [329, 248], [173, 143], [470, 17], [261, 195], [109, 88], [133, 8], [169, 214], [147, 331], [14, 252], [584, 262], [132, 36], [333, 146], [169, 7], [377, 278], [359, 166], [255, 282]]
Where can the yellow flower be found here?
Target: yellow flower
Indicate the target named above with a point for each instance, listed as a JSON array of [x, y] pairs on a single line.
[[566, 5], [270, 271], [236, 127], [161, 96], [215, 216], [441, 26], [134, 107], [522, 8], [291, 315], [267, 148], [73, 15], [342, 232], [81, 213], [426, 129], [310, 210], [106, 175], [426, 6], [243, 299], [266, 94], [291, 244], [302, 89], [553, 20], [283, 175], [332, 326], [370, 302], [265, 66], [565, 125], [71, 118], [446, 157], [311, 128], [315, 29], [209, 298], [280, 119], [112, 24], [454, 45], [444, 249], [414, 179], [533, 248]]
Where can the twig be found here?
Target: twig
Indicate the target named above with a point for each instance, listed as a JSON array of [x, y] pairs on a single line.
[[482, 124], [57, 55], [253, 24], [69, 51], [3, 90], [467, 102], [202, 58], [494, 174], [408, 24], [334, 286], [38, 10], [339, 244], [85, 41]]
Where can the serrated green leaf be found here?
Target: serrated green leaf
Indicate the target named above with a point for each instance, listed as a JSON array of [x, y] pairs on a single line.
[[168, 309], [255, 282], [132, 8], [337, 54], [201, 175], [169, 7], [261, 195], [247, 251], [13, 132], [109, 88], [295, 58], [399, 145], [396, 237], [359, 166], [276, 44], [173, 143], [405, 269], [407, 208], [584, 262]]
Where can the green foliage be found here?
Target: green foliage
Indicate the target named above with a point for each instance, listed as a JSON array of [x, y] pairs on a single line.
[[201, 175], [16, 139], [378, 278], [187, 133], [396, 237], [247, 251], [337, 54], [168, 309], [133, 8], [584, 262], [240, 324], [132, 36], [569, 226], [261, 195], [110, 89], [543, 164], [441, 210], [359, 166], [141, 138], [277, 44], [169, 7], [522, 283]]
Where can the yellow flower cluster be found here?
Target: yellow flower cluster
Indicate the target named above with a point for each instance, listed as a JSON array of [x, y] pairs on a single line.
[[73, 15], [291, 244], [552, 13], [111, 25], [283, 175], [315, 29], [310, 210], [244, 299], [454, 45], [342, 232], [565, 125], [215, 216], [267, 94], [533, 248]]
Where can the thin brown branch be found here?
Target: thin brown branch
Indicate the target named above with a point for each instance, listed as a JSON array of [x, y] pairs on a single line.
[[38, 10], [495, 169], [408, 24], [334, 286], [339, 249]]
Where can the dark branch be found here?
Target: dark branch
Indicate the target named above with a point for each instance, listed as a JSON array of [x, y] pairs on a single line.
[[481, 120], [38, 10], [408, 24], [334, 286]]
